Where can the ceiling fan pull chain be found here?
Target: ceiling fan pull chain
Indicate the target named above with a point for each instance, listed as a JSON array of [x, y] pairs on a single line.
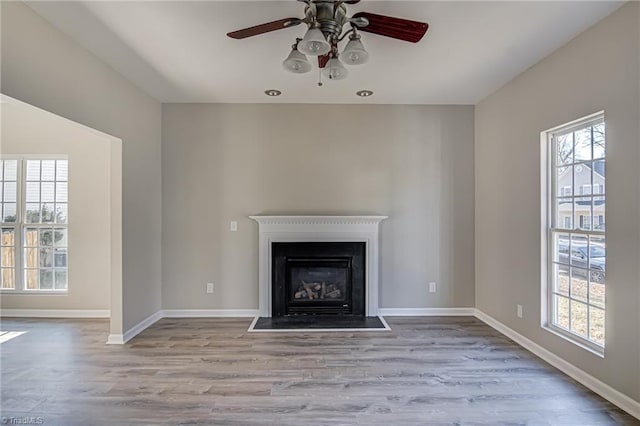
[[319, 77]]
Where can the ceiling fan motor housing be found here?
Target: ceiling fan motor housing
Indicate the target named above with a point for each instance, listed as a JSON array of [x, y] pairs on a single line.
[[329, 16]]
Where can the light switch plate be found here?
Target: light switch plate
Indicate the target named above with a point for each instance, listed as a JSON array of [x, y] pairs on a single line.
[[209, 287], [233, 226], [432, 287]]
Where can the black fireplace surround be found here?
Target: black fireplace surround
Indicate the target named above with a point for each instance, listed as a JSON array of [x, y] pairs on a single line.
[[318, 278]]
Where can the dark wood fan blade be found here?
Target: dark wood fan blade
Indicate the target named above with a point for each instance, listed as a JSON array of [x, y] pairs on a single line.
[[322, 60], [265, 28], [351, 1], [402, 29]]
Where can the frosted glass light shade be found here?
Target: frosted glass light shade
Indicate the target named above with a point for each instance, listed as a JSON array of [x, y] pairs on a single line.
[[314, 43], [334, 70], [354, 52], [296, 62]]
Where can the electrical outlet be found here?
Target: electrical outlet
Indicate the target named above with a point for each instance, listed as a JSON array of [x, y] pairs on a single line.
[[233, 226], [432, 287], [519, 311], [209, 287]]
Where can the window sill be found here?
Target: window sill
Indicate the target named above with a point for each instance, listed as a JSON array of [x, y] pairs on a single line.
[[576, 340], [36, 292]]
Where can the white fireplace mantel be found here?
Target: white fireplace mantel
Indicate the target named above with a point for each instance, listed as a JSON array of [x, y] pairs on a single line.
[[318, 229]]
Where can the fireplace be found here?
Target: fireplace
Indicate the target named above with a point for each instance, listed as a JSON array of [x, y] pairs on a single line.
[[323, 278], [295, 229]]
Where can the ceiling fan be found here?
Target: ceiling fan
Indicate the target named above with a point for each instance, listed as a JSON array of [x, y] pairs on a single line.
[[326, 21]]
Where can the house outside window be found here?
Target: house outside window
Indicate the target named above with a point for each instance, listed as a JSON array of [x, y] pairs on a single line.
[[576, 250], [34, 205]]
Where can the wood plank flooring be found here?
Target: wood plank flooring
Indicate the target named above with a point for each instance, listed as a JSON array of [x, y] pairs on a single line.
[[426, 371]]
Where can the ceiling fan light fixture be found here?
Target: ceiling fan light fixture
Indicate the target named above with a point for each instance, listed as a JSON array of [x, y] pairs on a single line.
[[314, 43], [296, 62], [328, 24], [334, 70], [354, 52]]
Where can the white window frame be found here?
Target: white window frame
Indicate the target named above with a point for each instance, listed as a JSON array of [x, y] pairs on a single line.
[[20, 227], [549, 198], [17, 229]]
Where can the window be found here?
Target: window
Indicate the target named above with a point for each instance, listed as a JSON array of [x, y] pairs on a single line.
[[598, 188], [575, 305], [34, 224], [585, 189], [585, 222]]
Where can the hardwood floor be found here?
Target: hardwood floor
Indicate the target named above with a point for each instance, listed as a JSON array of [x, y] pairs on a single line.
[[427, 371]]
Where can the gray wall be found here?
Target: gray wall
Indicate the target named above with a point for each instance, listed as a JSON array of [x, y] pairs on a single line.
[[226, 162], [596, 71], [44, 67]]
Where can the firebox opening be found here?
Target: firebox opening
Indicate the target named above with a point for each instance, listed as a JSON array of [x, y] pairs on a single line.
[[324, 279], [316, 278], [318, 285]]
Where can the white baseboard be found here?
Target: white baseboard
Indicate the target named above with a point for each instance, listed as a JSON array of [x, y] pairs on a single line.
[[55, 313], [425, 312], [607, 392], [120, 339], [209, 313], [141, 326], [115, 339]]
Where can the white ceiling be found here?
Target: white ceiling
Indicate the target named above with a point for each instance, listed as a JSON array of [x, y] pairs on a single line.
[[178, 51]]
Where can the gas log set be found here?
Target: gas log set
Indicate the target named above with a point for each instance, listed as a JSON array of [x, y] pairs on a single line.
[[310, 291]]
